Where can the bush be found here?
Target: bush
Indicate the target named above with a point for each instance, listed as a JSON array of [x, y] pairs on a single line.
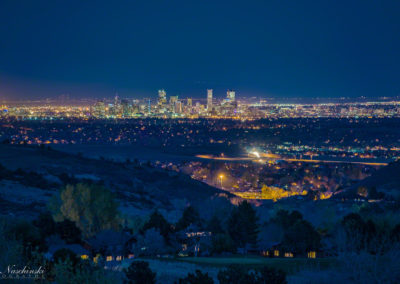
[[236, 274], [65, 255], [271, 276], [139, 272], [197, 278]]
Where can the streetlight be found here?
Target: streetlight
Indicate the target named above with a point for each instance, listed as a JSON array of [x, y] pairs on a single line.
[[221, 177]]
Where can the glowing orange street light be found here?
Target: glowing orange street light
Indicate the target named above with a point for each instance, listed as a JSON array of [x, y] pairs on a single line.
[[221, 177]]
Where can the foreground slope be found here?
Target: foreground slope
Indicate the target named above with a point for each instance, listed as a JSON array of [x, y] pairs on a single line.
[[140, 188]]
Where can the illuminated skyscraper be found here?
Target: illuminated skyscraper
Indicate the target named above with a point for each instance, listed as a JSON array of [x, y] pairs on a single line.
[[116, 101], [99, 109], [173, 100], [209, 99], [189, 102], [230, 95], [162, 97], [126, 108], [178, 107]]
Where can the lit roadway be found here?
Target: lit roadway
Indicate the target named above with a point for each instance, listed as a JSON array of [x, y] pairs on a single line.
[[276, 157]]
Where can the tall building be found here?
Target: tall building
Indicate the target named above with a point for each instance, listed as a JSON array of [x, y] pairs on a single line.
[[116, 100], [209, 99], [117, 105], [162, 97], [230, 95], [173, 100], [189, 102], [126, 108], [99, 109], [178, 107]]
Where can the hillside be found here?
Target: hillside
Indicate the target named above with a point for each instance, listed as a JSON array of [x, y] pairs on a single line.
[[37, 173], [386, 180]]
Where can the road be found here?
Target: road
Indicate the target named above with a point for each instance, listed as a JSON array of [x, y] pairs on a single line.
[[275, 157]]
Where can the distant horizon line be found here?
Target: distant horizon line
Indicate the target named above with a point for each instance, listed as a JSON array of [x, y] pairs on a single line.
[[61, 98]]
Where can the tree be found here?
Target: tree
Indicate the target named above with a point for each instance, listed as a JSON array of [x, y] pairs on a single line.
[[11, 248], [91, 207], [271, 276], [215, 226], [395, 234], [301, 238], [222, 243], [27, 233], [68, 231], [354, 228], [189, 216], [286, 218], [197, 278], [299, 235], [158, 222], [65, 255], [242, 225], [151, 243], [45, 224], [236, 274], [139, 272]]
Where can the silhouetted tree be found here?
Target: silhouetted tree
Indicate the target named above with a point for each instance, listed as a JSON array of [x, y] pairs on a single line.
[[151, 243], [286, 218], [27, 233], [395, 234], [189, 216], [63, 255], [215, 226], [68, 231], [222, 243], [197, 278], [158, 222], [242, 225], [45, 225], [354, 228], [236, 274], [301, 238], [271, 276], [139, 272]]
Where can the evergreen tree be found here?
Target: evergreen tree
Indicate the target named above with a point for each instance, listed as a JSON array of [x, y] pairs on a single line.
[[301, 238], [189, 216], [157, 221], [222, 243], [242, 225], [215, 226]]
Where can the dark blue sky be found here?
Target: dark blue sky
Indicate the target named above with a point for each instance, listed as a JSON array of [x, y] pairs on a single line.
[[263, 48]]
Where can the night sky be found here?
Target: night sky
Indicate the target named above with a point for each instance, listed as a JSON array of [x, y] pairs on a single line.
[[259, 48]]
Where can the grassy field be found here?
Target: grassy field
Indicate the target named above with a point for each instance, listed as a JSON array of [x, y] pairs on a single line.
[[289, 265]]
